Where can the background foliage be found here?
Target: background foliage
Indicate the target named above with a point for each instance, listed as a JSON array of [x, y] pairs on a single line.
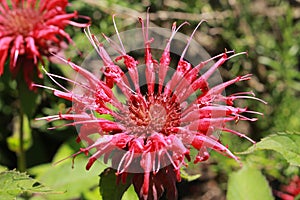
[[268, 30]]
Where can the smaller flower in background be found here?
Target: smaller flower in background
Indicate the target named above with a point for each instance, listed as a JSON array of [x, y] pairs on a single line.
[[157, 113], [31, 29], [290, 191]]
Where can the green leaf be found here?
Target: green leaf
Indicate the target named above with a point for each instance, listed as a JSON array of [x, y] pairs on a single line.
[[130, 194], [65, 150], [73, 182], [2, 168], [92, 194], [287, 144], [248, 184], [14, 183], [109, 188]]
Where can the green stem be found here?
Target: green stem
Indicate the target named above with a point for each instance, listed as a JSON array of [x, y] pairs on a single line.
[[21, 154]]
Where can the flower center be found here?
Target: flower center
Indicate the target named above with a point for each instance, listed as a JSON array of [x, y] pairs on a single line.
[[156, 114], [22, 21]]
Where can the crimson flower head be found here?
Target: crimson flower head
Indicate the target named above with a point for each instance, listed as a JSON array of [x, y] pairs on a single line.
[[145, 116], [31, 29], [290, 191]]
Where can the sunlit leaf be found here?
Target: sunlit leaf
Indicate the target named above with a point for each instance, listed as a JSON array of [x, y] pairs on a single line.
[[287, 144], [73, 182], [2, 168], [130, 194], [248, 184]]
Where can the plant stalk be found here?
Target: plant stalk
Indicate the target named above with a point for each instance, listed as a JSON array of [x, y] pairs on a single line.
[[21, 155]]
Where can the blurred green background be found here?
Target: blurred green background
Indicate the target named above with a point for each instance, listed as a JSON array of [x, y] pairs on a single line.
[[269, 30]]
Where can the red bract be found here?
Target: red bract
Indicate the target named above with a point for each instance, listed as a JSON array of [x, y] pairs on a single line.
[[32, 29], [154, 122]]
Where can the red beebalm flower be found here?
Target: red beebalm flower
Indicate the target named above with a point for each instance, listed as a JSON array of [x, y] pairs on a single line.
[[290, 191], [30, 29], [152, 131]]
